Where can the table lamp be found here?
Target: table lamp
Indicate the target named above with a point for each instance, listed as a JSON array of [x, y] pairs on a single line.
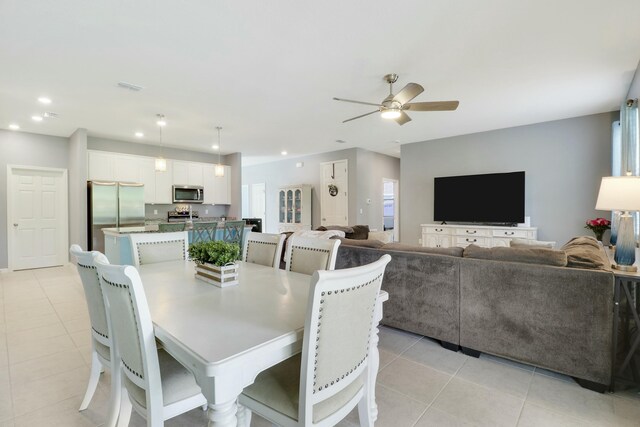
[[622, 193]]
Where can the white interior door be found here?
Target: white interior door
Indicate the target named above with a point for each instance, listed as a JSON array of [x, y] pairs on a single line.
[[38, 228], [334, 208], [259, 202]]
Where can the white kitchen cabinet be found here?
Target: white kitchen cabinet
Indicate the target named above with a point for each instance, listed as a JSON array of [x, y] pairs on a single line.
[[101, 166], [222, 185], [209, 184], [180, 173], [194, 174], [148, 178], [127, 168], [164, 183]]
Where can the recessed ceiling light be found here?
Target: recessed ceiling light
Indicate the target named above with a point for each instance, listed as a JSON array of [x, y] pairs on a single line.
[[215, 146], [284, 153], [44, 100], [139, 135], [14, 126], [36, 118]]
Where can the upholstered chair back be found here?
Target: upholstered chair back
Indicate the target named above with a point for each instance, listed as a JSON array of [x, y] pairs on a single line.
[[133, 336], [151, 248], [233, 231], [204, 231], [263, 249], [307, 255], [337, 336], [93, 294]]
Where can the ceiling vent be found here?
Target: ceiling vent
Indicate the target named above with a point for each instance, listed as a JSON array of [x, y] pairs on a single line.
[[51, 115], [130, 86]]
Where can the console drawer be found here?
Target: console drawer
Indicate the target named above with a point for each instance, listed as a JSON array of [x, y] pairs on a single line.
[[462, 241], [473, 231], [511, 233]]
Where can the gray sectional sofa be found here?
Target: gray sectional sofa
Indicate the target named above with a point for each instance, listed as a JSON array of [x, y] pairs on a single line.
[[536, 312]]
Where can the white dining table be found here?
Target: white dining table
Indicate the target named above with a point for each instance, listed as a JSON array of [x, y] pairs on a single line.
[[226, 337]]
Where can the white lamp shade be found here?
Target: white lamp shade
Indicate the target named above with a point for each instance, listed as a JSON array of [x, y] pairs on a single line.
[[619, 193], [219, 170], [161, 164]]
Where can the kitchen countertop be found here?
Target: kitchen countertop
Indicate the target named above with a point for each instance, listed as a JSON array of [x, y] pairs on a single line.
[[153, 228]]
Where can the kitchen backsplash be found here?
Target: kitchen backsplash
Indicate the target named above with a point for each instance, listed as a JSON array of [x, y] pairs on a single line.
[[214, 210]]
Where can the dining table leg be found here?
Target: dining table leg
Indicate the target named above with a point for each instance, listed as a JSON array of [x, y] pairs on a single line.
[[222, 414]]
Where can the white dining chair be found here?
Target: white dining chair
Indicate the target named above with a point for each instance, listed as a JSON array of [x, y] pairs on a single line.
[[263, 248], [307, 254], [330, 377], [101, 343], [151, 248], [153, 383]]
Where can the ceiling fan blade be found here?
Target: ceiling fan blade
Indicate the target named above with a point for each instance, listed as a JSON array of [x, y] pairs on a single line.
[[410, 91], [404, 118], [432, 106], [356, 102], [357, 117]]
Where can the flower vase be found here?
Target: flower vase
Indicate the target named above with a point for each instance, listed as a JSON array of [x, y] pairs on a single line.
[[599, 235]]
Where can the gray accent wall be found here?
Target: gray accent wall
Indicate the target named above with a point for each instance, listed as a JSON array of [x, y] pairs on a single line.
[[26, 149], [564, 161], [78, 188], [366, 170]]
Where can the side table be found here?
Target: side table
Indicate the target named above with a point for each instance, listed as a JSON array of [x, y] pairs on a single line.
[[626, 327]]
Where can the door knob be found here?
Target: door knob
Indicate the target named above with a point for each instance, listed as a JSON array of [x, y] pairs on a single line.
[[15, 224]]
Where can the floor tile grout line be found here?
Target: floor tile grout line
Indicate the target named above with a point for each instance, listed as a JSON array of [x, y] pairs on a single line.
[[526, 396]]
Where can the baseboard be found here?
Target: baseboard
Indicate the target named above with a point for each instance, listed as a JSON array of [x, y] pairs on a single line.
[[4, 270]]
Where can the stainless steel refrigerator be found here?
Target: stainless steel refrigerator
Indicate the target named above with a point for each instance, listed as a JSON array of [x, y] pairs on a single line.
[[112, 204]]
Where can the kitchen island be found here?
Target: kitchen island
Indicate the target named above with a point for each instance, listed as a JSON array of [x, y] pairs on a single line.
[[117, 244]]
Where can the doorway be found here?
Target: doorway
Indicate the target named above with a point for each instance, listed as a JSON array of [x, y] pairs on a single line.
[[254, 202], [334, 198], [390, 203], [37, 220]]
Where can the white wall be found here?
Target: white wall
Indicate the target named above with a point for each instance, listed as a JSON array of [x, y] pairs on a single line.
[[26, 149], [78, 188], [564, 161], [366, 170]]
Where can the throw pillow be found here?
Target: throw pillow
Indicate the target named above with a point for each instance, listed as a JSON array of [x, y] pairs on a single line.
[[519, 243], [344, 229], [541, 256], [360, 232], [361, 242], [383, 236], [586, 252]]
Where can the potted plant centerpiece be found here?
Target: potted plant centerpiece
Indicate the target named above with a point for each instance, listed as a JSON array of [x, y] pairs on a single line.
[[216, 262]]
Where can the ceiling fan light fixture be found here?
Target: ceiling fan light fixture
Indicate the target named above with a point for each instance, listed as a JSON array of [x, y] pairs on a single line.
[[390, 113]]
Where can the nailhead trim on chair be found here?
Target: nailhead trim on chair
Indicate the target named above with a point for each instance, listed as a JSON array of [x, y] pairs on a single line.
[[306, 249], [249, 242], [123, 286], [138, 244], [99, 333], [318, 333]]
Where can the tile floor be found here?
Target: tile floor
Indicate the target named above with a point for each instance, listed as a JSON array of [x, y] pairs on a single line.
[[44, 367]]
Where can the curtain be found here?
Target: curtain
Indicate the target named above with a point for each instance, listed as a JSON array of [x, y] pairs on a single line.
[[629, 163]]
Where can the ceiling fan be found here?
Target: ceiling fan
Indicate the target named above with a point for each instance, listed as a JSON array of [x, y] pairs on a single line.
[[394, 106]]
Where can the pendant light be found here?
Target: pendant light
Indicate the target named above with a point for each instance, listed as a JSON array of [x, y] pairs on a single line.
[[161, 162], [219, 168]]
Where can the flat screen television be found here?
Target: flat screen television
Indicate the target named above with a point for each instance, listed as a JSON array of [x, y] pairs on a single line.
[[494, 198]]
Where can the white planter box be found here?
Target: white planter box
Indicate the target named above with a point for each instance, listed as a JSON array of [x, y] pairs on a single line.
[[221, 277]]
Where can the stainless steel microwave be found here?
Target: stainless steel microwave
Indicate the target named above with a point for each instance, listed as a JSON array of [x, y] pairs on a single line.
[[188, 194]]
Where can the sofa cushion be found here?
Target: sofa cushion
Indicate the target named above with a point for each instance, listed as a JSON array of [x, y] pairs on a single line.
[[526, 243], [526, 255], [586, 252], [362, 243], [384, 236], [457, 252], [360, 232]]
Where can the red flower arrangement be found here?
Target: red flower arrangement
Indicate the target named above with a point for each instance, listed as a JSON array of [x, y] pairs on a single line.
[[598, 226]]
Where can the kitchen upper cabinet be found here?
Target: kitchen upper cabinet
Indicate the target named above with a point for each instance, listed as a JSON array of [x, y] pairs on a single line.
[[217, 189], [180, 173], [127, 168], [101, 166], [195, 174], [148, 175], [164, 181]]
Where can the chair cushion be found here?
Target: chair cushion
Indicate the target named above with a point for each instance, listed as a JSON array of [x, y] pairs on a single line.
[[177, 382], [308, 260], [262, 253], [527, 243], [278, 388]]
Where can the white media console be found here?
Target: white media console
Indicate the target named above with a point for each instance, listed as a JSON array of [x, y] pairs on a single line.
[[446, 235]]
